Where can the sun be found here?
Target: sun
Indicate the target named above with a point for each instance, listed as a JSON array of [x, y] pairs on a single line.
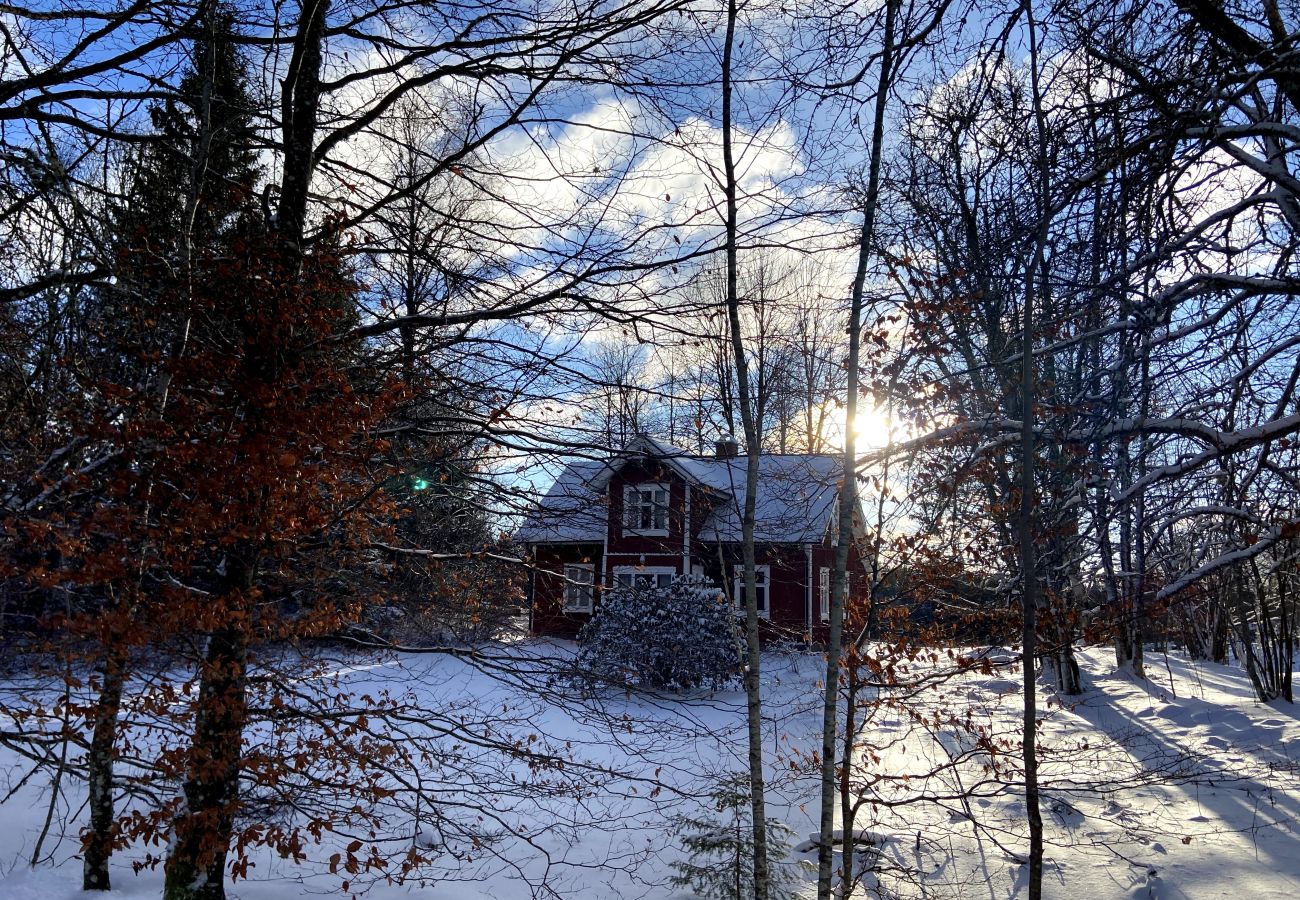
[[873, 427]]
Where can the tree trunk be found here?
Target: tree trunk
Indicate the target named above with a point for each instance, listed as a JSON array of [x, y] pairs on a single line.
[[100, 759], [1286, 625], [1029, 605], [1247, 640], [848, 802], [1036, 267], [1065, 669], [1069, 679], [300, 102], [195, 868], [753, 649], [848, 497]]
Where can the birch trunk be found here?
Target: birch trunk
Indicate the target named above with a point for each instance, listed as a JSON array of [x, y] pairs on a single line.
[[848, 499], [753, 650]]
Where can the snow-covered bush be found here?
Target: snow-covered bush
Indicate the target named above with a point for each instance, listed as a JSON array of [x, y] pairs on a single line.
[[675, 637]]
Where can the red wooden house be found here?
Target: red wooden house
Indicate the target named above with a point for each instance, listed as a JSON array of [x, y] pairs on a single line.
[[654, 512]]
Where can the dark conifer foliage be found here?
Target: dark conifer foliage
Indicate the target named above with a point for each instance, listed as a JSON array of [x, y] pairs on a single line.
[[187, 185]]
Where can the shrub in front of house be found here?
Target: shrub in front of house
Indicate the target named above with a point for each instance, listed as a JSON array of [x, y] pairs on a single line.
[[662, 638]]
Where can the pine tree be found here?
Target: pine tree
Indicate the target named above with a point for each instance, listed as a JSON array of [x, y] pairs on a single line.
[[720, 849], [190, 183], [203, 168]]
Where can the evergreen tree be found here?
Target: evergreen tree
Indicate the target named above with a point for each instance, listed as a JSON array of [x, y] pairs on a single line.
[[720, 848], [203, 168], [187, 186]]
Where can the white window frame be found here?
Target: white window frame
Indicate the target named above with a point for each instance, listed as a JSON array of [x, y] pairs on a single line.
[[762, 587], [632, 572], [582, 589], [824, 592], [656, 511]]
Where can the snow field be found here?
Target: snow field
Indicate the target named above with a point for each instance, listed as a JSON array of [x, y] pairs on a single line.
[[1178, 787]]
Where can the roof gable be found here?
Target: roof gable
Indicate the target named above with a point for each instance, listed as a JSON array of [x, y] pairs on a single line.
[[796, 495], [645, 447]]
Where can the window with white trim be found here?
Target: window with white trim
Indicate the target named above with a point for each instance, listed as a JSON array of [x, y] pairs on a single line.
[[644, 577], [824, 593], [645, 509], [762, 583], [579, 587]]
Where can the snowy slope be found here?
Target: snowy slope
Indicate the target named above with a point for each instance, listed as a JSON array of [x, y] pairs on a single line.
[[1180, 787]]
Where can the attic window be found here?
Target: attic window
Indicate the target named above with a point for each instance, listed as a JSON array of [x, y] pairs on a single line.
[[645, 509]]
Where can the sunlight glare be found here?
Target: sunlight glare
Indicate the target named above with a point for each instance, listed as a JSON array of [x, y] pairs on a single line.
[[872, 428]]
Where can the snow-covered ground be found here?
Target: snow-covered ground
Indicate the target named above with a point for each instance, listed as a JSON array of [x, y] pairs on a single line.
[[1181, 786], [1178, 787]]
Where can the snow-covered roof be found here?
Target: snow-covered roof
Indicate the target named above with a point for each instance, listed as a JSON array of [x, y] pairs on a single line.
[[572, 510], [795, 500], [796, 496]]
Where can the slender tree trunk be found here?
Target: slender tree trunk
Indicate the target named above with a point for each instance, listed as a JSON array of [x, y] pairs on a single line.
[[1247, 640], [848, 802], [1123, 581], [100, 761], [848, 498], [855, 683], [1035, 270], [1287, 625], [1138, 620], [753, 650], [1029, 602]]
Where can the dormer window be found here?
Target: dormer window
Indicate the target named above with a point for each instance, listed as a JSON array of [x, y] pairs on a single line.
[[645, 509]]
